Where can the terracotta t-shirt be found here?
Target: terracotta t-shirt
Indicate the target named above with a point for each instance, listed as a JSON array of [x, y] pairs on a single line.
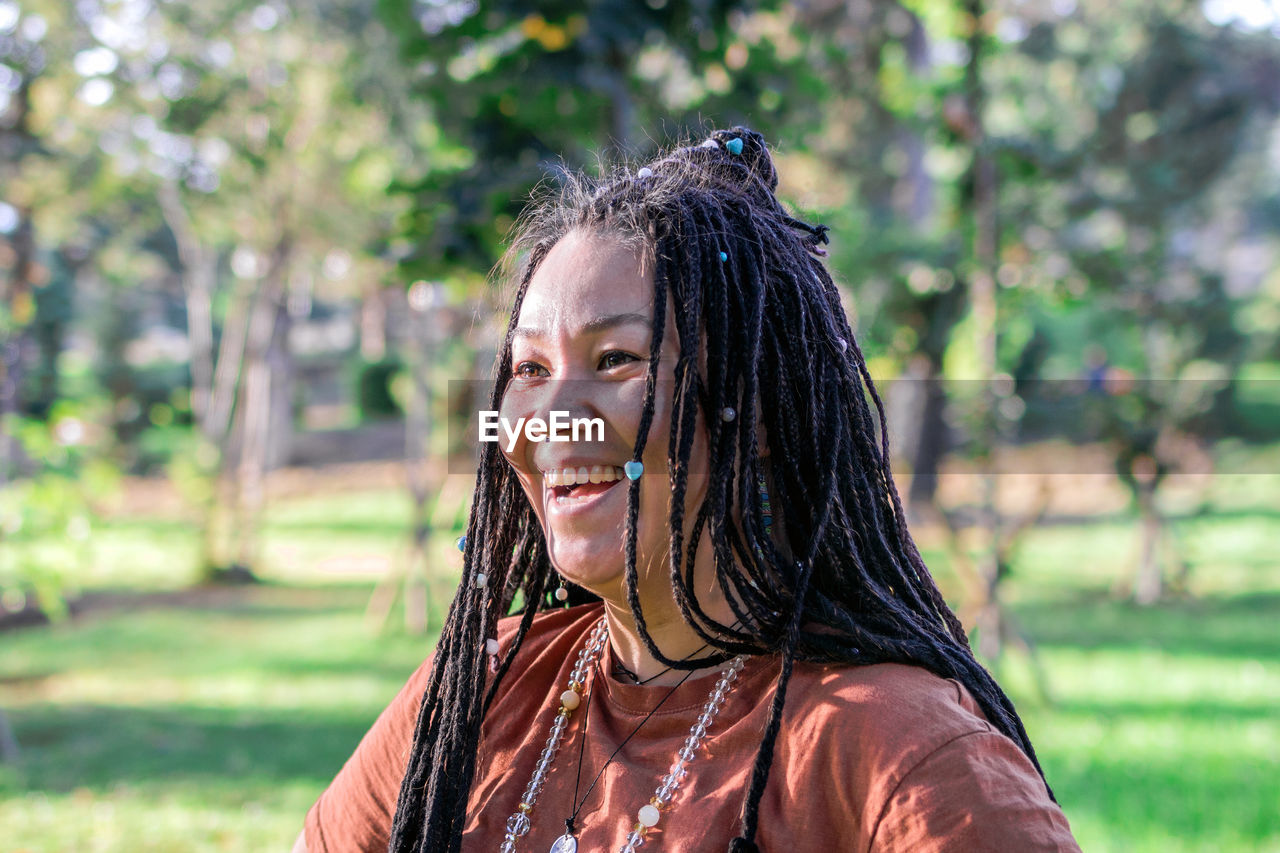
[[873, 758]]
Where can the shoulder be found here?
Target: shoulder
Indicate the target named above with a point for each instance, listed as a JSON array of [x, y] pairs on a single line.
[[549, 628], [889, 714], [551, 623], [924, 768], [553, 637], [356, 810], [869, 725]]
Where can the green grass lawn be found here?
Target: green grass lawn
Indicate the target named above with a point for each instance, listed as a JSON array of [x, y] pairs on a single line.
[[203, 727], [212, 722], [1164, 734]]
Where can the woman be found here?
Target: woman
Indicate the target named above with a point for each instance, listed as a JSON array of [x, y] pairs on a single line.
[[760, 659]]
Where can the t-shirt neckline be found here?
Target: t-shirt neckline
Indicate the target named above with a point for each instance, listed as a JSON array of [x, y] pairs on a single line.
[[640, 699]]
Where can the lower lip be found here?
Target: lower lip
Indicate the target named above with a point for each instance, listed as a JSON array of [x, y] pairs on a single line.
[[574, 504]]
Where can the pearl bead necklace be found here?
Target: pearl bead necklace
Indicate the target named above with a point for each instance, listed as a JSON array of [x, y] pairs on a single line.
[[518, 824]]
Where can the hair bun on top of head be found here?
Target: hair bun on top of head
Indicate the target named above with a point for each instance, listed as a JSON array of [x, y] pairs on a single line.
[[749, 148], [737, 160], [737, 157], [743, 150]]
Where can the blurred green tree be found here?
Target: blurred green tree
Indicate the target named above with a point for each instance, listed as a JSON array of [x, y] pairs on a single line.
[[513, 90], [54, 465], [232, 156], [262, 136], [1128, 177]]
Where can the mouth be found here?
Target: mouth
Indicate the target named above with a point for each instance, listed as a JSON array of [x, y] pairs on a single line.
[[580, 485]]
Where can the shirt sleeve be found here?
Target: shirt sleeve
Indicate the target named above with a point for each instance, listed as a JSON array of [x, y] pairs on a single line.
[[976, 792], [355, 812]]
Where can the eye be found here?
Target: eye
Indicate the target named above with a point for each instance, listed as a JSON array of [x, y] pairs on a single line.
[[616, 358], [528, 370]]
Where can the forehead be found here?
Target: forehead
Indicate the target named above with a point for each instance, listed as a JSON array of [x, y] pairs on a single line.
[[584, 276]]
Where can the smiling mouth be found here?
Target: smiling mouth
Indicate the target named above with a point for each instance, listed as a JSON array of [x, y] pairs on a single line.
[[576, 484], [581, 492]]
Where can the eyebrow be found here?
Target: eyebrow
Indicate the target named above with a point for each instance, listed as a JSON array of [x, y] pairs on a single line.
[[599, 324]]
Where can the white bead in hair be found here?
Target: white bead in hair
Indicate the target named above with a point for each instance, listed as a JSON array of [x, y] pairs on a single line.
[[728, 413]]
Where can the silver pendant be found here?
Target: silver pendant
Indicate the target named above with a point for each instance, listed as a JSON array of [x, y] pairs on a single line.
[[565, 844]]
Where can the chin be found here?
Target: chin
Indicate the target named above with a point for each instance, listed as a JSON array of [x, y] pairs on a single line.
[[588, 564], [599, 567]]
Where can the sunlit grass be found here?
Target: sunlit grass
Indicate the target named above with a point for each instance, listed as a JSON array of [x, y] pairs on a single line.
[[210, 727], [1148, 750], [325, 538]]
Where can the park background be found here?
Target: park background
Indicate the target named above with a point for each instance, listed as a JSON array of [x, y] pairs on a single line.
[[244, 257]]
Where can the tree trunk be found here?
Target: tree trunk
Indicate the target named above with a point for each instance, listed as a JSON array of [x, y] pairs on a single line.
[[622, 110], [268, 333], [930, 438], [10, 753], [217, 385], [1148, 583], [373, 324], [250, 467], [417, 460], [15, 294], [420, 476], [199, 268]]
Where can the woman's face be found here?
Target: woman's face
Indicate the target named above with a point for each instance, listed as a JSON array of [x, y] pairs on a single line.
[[581, 346]]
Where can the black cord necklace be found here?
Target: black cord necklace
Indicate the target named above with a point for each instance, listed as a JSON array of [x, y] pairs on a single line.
[[620, 670], [569, 826], [569, 823]]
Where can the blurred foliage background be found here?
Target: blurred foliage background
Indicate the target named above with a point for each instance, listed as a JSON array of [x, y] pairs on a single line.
[[245, 249]]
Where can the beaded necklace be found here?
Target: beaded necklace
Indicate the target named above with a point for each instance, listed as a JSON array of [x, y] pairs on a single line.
[[518, 824]]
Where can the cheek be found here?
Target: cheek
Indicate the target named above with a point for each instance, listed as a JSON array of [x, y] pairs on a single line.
[[626, 404], [524, 400]]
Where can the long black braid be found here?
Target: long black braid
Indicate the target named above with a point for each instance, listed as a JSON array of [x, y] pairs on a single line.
[[761, 329]]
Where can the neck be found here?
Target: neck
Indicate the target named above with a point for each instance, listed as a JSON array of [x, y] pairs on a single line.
[[663, 620], [674, 638]]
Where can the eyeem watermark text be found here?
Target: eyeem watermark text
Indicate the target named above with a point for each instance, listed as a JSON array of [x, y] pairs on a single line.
[[561, 427]]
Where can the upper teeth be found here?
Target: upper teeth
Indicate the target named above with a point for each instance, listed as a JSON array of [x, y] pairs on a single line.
[[583, 474]]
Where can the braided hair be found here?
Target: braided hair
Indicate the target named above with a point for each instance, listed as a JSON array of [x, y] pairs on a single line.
[[761, 329]]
